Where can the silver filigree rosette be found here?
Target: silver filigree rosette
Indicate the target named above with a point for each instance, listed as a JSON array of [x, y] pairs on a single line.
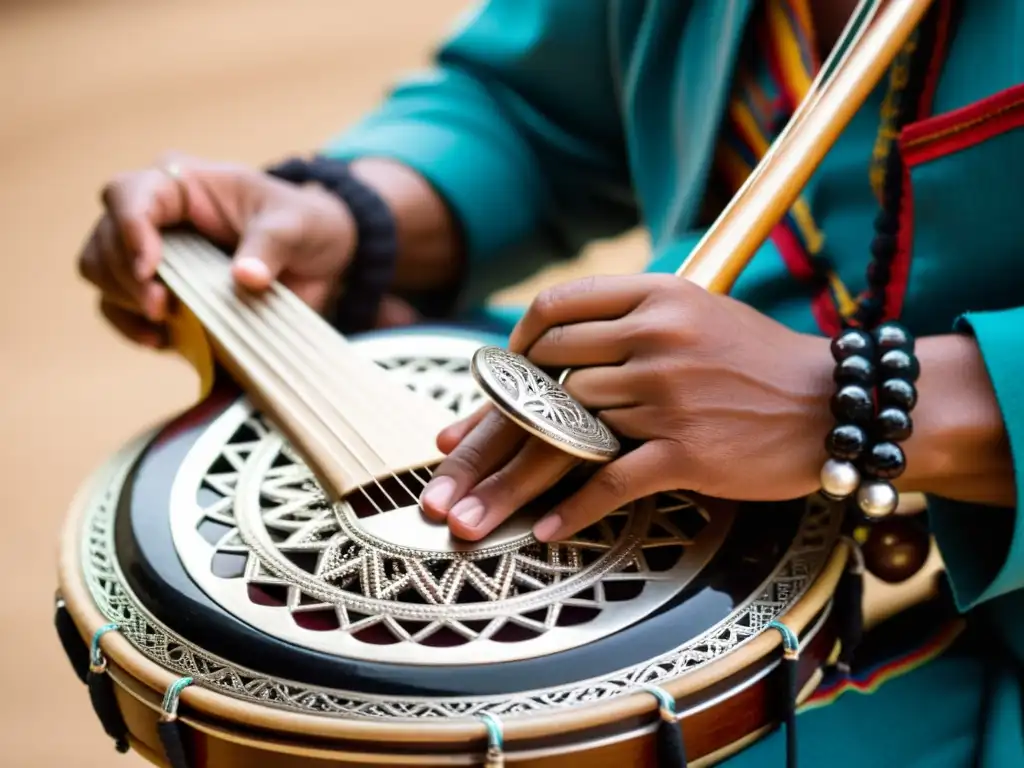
[[255, 531], [539, 404], [301, 534]]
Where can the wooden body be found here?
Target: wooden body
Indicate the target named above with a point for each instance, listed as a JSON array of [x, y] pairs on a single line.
[[734, 701], [728, 701]]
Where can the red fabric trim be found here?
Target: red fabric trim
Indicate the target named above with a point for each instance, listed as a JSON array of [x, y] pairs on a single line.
[[896, 291], [826, 315], [938, 57], [962, 128], [792, 253], [798, 264]]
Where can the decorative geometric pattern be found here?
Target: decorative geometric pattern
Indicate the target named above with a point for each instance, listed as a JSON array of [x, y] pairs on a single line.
[[308, 534], [349, 591], [102, 574]]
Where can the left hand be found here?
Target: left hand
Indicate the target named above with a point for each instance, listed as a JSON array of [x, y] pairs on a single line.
[[725, 402]]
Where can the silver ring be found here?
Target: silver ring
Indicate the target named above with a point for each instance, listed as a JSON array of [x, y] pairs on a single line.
[[172, 169]]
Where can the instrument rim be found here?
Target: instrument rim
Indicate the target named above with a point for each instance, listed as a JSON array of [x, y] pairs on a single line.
[[87, 618], [275, 740]]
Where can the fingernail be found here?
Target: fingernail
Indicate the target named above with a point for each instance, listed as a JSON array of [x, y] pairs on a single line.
[[254, 270], [546, 529], [469, 511], [438, 493]]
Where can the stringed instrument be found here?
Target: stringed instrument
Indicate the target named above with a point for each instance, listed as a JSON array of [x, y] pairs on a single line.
[[253, 582]]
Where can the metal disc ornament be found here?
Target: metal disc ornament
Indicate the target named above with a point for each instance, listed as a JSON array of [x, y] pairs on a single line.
[[541, 406]]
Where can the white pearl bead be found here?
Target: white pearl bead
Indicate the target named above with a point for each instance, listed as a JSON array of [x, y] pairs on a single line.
[[877, 499], [839, 478]]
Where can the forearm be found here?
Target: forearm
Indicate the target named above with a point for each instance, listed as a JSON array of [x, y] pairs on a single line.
[[430, 253], [959, 448]]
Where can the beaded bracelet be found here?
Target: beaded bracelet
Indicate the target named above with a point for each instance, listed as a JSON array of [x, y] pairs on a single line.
[[875, 375]]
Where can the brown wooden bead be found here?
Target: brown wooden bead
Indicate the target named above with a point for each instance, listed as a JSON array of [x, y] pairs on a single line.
[[897, 548]]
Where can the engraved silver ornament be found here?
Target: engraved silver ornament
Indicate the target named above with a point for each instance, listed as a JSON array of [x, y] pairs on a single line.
[[541, 406]]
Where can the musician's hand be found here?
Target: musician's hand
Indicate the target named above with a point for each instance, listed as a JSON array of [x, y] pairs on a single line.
[[302, 236], [723, 401]]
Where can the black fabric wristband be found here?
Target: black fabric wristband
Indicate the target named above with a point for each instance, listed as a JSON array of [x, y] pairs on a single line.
[[372, 270]]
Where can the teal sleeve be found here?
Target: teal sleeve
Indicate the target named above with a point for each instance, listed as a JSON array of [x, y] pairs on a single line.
[[517, 126], [983, 547]]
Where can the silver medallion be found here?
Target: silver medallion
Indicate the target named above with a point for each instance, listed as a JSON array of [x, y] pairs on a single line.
[[541, 406]]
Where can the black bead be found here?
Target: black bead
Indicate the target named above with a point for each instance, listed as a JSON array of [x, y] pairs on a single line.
[[846, 442], [883, 247], [879, 273], [898, 364], [885, 461], [893, 424], [855, 370], [892, 335], [893, 171], [870, 311], [853, 404], [897, 393], [853, 342], [886, 223]]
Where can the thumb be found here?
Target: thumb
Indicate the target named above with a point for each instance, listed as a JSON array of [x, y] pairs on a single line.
[[265, 250]]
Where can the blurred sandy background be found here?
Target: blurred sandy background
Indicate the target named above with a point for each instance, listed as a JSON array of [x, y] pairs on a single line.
[[87, 88]]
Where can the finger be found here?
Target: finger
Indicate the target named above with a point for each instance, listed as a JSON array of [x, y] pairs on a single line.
[[598, 388], [533, 470], [449, 437], [118, 261], [138, 206], [494, 440], [592, 298], [640, 422], [94, 267], [582, 344], [268, 244], [396, 313], [134, 326], [637, 474]]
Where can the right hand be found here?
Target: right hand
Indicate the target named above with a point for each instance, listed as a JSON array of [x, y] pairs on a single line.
[[301, 236]]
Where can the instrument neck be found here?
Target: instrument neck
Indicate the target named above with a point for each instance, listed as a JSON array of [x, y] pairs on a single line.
[[860, 59], [351, 422]]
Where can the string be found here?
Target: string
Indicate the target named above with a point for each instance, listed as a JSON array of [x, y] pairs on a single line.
[[226, 312], [240, 349], [311, 326], [303, 330], [301, 340], [303, 333], [245, 314]]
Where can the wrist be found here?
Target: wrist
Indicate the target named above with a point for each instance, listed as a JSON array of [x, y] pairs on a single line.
[[429, 249], [371, 268], [959, 442], [817, 372]]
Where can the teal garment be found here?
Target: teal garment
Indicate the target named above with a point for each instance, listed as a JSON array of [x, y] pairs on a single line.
[[547, 124]]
